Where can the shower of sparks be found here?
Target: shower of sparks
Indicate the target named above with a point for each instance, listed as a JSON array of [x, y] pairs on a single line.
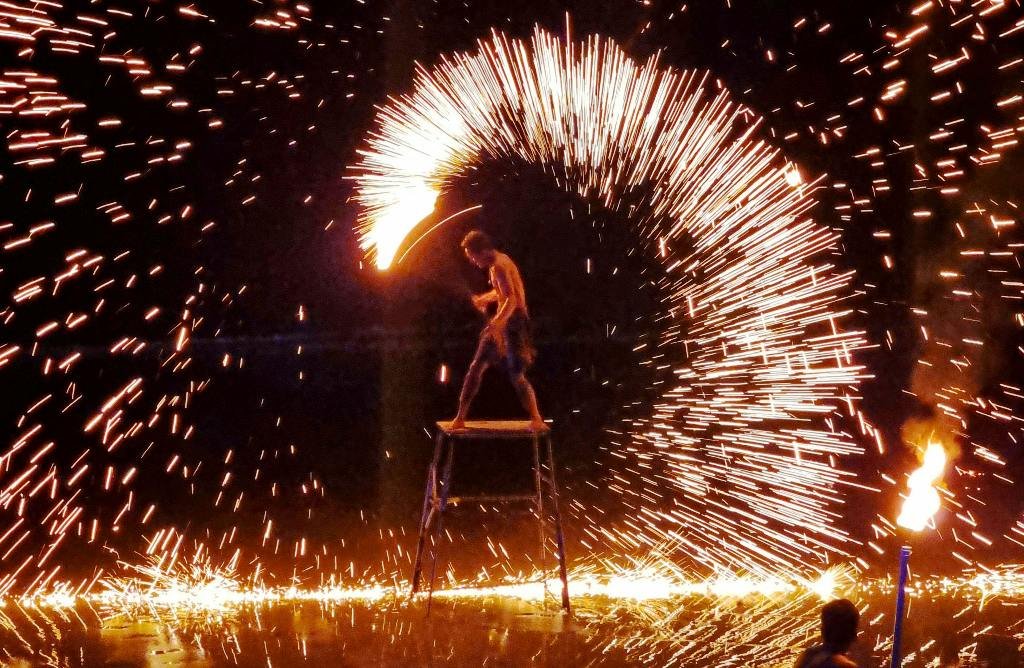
[[107, 294], [204, 588], [646, 608], [115, 118], [740, 462]]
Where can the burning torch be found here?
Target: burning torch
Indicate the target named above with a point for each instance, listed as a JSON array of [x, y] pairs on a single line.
[[919, 507]]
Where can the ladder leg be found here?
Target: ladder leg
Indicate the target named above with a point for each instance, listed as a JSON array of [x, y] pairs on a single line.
[[559, 537], [446, 485], [427, 516], [541, 517]]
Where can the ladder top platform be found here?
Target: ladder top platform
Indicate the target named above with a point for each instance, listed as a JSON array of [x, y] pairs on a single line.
[[493, 429]]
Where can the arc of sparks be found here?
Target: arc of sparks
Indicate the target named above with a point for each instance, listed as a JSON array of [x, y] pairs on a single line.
[[745, 437]]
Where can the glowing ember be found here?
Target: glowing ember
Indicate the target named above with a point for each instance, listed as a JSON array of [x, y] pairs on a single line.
[[922, 501]]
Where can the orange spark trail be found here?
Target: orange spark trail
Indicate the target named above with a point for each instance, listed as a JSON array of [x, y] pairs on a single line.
[[742, 440]]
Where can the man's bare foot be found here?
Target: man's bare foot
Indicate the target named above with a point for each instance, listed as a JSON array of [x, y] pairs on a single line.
[[457, 424], [538, 424]]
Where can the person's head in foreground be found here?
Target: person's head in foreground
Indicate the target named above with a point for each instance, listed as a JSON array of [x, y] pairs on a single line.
[[839, 621], [479, 248]]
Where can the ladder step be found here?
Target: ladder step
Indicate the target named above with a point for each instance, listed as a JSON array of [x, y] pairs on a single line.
[[500, 498]]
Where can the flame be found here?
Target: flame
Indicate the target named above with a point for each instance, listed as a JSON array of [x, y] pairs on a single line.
[[394, 220], [922, 501]]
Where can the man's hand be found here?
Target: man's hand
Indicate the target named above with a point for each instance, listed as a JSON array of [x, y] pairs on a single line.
[[480, 302]]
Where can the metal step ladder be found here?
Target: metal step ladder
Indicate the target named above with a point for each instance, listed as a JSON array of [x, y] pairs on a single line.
[[437, 496]]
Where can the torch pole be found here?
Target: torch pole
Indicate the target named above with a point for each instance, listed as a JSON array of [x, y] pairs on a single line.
[[901, 594]]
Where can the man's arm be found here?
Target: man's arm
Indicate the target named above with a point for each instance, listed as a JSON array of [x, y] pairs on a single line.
[[481, 300]]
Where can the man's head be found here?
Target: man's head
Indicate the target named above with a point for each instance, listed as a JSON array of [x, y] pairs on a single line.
[[839, 621], [479, 248]]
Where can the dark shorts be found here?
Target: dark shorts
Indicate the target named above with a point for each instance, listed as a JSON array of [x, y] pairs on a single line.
[[519, 350]]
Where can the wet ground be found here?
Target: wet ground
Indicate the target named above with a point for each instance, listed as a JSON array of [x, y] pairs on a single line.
[[685, 631]]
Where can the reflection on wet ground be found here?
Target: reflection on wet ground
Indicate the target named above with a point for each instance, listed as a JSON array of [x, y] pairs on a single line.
[[685, 631]]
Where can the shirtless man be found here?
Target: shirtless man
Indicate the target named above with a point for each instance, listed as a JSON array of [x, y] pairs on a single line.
[[506, 337]]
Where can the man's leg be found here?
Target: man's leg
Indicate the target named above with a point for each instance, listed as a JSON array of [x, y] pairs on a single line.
[[528, 398], [471, 383]]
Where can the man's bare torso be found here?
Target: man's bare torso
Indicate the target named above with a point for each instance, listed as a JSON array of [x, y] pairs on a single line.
[[506, 281]]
